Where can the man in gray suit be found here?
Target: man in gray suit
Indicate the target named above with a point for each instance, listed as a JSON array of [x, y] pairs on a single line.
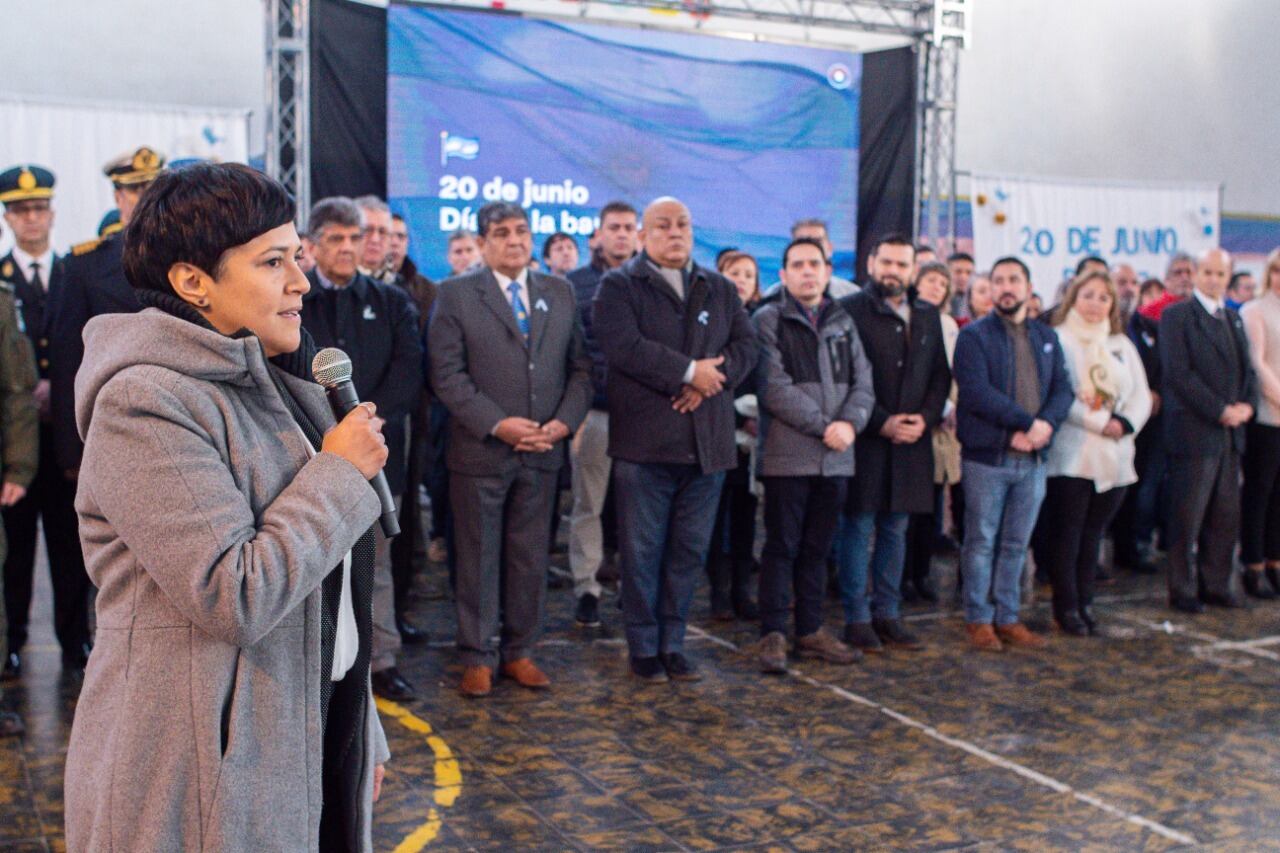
[[507, 359]]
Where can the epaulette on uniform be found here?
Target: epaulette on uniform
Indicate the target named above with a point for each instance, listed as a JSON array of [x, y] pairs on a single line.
[[86, 247]]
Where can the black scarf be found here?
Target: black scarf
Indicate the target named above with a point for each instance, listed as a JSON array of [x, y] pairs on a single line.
[[343, 710]]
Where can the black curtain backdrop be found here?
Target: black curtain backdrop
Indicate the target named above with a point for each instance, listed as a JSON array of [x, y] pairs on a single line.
[[348, 99], [886, 170], [349, 119]]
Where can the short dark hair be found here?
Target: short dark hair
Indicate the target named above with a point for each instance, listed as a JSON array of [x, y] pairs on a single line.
[[893, 239], [803, 241], [498, 211], [1087, 259], [1150, 285], [552, 240], [960, 256], [460, 234], [925, 247], [1010, 259], [195, 215], [617, 207], [727, 250], [1235, 279], [395, 217]]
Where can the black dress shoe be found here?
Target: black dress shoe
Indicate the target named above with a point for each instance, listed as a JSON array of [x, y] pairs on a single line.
[[679, 668], [1087, 617], [410, 634], [1217, 600], [894, 634], [12, 666], [587, 614], [1186, 605], [649, 669], [1072, 624], [1257, 585], [390, 684]]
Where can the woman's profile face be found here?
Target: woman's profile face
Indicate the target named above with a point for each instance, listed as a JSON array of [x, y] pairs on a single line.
[[260, 288], [980, 303], [742, 273]]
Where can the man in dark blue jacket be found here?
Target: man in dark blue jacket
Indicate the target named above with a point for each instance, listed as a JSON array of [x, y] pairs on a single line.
[[589, 452], [675, 338], [1014, 392]]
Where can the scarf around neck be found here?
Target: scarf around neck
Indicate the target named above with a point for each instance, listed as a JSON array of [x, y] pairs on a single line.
[[1101, 371]]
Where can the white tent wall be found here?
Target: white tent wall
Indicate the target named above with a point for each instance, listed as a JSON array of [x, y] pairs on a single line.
[[1166, 90], [76, 139]]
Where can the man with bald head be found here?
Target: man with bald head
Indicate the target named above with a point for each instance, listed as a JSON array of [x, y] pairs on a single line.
[[1209, 394], [676, 341]]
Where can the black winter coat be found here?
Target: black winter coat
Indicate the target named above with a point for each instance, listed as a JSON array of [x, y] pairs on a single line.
[[910, 375], [648, 335]]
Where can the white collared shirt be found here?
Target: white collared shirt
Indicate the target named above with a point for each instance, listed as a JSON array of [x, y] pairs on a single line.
[[522, 280], [24, 262], [1213, 306]]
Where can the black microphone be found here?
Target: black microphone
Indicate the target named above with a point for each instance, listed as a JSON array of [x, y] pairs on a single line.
[[332, 369]]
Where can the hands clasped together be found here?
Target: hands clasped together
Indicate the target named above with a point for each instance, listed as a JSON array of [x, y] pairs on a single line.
[[528, 436]]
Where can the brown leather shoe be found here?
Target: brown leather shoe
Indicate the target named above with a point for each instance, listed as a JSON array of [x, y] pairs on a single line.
[[526, 673], [1020, 635], [982, 637], [476, 681]]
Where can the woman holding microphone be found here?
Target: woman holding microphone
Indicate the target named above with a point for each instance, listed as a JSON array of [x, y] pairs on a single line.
[[226, 522]]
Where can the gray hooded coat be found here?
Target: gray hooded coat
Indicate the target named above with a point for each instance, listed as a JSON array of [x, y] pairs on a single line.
[[208, 531]]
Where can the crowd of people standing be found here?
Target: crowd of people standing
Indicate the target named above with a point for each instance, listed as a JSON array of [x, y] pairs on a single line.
[[927, 405]]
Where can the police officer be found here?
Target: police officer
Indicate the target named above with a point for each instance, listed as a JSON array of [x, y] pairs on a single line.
[[36, 276], [376, 324], [19, 437], [95, 284]]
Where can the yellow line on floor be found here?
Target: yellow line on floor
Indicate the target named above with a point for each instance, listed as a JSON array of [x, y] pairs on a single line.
[[448, 776]]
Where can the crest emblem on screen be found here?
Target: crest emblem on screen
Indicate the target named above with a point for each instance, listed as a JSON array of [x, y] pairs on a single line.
[[462, 147], [839, 76]]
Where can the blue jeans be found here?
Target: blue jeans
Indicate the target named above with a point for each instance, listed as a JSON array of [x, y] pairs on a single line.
[[665, 516], [854, 555], [1001, 505]]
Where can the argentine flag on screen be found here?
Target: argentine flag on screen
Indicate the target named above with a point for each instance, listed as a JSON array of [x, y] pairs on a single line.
[[462, 147]]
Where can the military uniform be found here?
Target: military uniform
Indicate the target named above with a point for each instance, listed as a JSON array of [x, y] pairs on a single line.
[[19, 434], [95, 284], [51, 498]]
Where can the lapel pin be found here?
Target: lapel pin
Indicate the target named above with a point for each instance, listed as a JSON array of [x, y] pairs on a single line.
[[368, 313], [704, 318], [541, 305]]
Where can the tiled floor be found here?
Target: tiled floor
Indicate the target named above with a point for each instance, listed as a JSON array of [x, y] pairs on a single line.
[[1161, 735]]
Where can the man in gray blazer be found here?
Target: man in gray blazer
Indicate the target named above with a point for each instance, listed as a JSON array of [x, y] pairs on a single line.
[[507, 359]]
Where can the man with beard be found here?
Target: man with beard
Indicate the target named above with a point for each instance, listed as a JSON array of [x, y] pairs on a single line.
[[1126, 280], [894, 455], [1014, 391]]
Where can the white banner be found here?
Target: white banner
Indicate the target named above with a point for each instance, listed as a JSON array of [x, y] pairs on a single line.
[[75, 140], [1051, 223]]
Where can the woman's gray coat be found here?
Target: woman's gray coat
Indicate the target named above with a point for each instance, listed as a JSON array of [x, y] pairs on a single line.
[[207, 532]]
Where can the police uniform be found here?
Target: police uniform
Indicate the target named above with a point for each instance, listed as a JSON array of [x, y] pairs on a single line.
[[37, 283], [94, 284], [19, 429]]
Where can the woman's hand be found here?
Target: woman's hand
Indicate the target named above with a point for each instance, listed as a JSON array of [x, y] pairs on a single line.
[[358, 439], [379, 771]]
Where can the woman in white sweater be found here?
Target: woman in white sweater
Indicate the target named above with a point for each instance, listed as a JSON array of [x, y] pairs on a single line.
[[1090, 463], [1260, 522]]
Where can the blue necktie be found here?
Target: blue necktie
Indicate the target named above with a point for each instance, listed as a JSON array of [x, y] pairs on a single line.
[[517, 308]]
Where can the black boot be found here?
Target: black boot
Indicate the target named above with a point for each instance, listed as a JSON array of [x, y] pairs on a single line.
[[1256, 584], [1273, 575], [721, 605], [743, 604]]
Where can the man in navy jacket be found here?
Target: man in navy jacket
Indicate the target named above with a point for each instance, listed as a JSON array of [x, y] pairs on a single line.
[[676, 339], [1014, 392]]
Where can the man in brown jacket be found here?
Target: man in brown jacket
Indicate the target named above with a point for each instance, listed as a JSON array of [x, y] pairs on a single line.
[[19, 442]]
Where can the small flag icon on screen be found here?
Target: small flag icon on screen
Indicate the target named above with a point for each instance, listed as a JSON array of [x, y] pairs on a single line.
[[462, 147]]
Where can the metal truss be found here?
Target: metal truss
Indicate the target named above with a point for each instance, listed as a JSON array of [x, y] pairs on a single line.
[[949, 31], [288, 125]]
